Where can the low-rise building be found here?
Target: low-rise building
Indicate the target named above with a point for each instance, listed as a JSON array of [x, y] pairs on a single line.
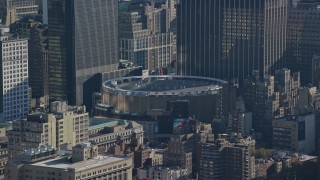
[[262, 168], [68, 125], [162, 173], [228, 157], [46, 163], [105, 132], [277, 166], [3, 158], [179, 152], [294, 133], [183, 146], [3, 134], [84, 151], [155, 158]]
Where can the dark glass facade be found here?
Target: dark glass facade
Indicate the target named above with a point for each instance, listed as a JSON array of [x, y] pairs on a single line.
[[60, 47], [228, 39], [83, 41], [303, 39], [301, 131], [36, 33]]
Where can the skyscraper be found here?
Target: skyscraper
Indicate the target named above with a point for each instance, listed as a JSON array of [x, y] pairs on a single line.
[[229, 38], [36, 33], [14, 89], [83, 41], [316, 71], [303, 39]]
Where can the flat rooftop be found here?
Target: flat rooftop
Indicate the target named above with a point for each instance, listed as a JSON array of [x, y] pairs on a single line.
[[98, 123], [63, 163], [163, 85], [293, 118], [102, 120]]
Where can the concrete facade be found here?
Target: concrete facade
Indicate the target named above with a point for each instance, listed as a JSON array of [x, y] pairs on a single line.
[[48, 164], [295, 133], [67, 127], [14, 76]]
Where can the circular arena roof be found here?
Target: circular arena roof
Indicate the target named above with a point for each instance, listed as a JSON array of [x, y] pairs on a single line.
[[163, 85]]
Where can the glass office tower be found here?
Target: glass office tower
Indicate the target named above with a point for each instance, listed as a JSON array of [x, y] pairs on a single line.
[[228, 39], [83, 41]]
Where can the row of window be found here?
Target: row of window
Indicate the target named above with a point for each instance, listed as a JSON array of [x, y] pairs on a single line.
[[15, 68], [14, 86], [10, 63], [114, 175], [10, 111], [12, 105], [15, 57], [14, 44], [9, 94], [15, 73], [13, 53], [11, 115], [13, 78]]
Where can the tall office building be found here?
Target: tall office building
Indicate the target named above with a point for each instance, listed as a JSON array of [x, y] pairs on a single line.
[[228, 39], [83, 41], [303, 39], [36, 33], [293, 3], [14, 89], [14, 10], [316, 70]]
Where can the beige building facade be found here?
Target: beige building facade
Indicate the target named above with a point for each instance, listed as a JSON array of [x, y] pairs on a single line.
[[66, 127], [45, 163], [3, 159], [15, 10], [105, 135]]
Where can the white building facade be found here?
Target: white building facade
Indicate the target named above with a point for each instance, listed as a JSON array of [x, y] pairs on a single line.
[[14, 90], [162, 173]]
